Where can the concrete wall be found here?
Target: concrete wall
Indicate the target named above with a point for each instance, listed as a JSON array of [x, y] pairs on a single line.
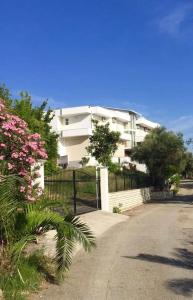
[[76, 148], [128, 199], [120, 151], [40, 166]]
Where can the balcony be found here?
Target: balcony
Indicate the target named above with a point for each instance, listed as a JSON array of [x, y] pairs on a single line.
[[140, 135], [73, 132], [125, 136]]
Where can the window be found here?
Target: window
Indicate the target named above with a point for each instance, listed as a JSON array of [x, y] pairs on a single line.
[[66, 121], [103, 119], [114, 120]]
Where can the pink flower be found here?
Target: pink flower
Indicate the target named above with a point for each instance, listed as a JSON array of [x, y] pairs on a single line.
[[30, 160], [22, 172], [2, 145], [2, 157], [35, 136], [14, 155], [37, 174], [30, 198], [10, 166], [33, 145], [7, 134], [39, 191], [22, 189]]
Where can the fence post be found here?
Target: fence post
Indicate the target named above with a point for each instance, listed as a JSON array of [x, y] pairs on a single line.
[[116, 183], [40, 180], [124, 182], [98, 189], [74, 190], [104, 188], [131, 181]]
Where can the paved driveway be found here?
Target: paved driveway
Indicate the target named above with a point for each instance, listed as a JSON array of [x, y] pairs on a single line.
[[149, 256]]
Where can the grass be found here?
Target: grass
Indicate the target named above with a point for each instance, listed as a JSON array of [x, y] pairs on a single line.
[[26, 278]]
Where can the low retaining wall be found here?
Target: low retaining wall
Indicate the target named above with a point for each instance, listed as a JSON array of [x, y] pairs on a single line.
[[129, 199], [126, 200]]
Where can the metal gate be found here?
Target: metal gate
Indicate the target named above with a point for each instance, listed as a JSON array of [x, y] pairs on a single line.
[[74, 191]]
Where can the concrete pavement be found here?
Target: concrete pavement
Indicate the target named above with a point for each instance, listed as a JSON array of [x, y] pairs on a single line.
[[147, 256]]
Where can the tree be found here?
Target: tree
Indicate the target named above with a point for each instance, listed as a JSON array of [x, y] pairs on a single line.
[[38, 120], [188, 165], [5, 95], [103, 143], [163, 153]]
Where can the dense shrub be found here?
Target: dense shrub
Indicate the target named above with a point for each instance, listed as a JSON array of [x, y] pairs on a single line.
[[19, 151]]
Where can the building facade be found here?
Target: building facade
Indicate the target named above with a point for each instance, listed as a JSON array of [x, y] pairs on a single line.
[[74, 126]]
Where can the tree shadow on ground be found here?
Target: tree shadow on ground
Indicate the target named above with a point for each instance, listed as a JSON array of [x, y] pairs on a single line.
[[186, 185], [183, 286], [188, 199], [183, 259]]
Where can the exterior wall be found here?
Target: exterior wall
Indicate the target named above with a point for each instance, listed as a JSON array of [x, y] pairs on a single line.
[[76, 122], [76, 148], [128, 199], [132, 198], [120, 153], [140, 135]]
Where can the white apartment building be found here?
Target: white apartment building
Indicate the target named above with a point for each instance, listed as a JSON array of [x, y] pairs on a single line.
[[74, 126]]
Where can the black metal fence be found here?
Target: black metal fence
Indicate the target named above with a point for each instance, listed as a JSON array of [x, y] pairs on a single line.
[[122, 182], [75, 191]]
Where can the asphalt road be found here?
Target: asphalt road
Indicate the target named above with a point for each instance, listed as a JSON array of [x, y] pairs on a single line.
[[150, 256]]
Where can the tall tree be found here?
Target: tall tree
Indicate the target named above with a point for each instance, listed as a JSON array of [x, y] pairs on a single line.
[[188, 165], [103, 143], [163, 153], [5, 95]]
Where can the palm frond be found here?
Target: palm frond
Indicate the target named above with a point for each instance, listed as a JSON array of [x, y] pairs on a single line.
[[36, 219], [69, 232], [8, 204], [64, 251], [80, 231], [41, 204], [17, 248]]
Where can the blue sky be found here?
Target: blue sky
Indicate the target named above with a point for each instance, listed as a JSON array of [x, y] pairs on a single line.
[[131, 54]]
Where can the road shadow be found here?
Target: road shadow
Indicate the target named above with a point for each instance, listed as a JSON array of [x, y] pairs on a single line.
[[186, 186], [188, 199], [183, 287], [184, 259]]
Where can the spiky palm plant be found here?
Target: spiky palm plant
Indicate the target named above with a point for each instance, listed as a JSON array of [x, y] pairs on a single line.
[[20, 223]]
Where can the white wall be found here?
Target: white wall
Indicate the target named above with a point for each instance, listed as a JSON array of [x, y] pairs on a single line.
[[128, 199], [76, 122]]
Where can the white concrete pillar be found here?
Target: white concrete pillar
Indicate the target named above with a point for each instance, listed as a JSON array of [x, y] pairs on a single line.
[[104, 184], [39, 180]]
